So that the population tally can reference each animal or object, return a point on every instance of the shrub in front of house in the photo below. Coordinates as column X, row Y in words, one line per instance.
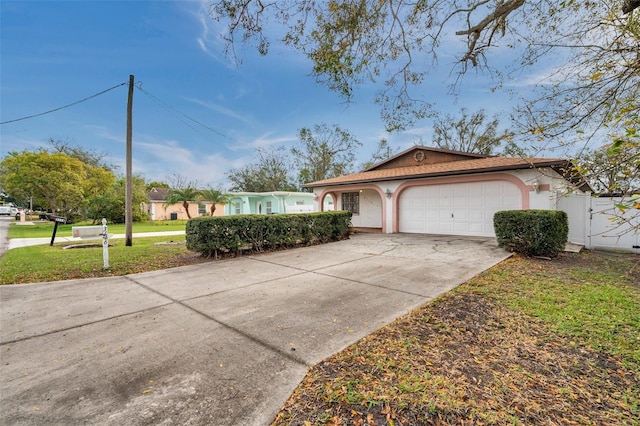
column 213, row 236
column 532, row 232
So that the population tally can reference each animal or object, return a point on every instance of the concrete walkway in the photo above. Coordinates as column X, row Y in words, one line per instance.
column 24, row 242
column 220, row 343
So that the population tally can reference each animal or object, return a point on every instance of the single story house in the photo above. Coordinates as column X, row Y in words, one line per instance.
column 439, row 191
column 157, row 209
column 269, row 202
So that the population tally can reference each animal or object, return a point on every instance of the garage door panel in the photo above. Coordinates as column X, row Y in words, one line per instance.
column 431, row 214
column 460, row 215
column 457, row 209
column 444, row 202
column 474, row 202
column 460, row 202
column 476, row 215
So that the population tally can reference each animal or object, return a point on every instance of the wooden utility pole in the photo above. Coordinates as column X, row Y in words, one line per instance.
column 128, row 214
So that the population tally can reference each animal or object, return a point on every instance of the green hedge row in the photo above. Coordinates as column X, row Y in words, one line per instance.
column 212, row 236
column 532, row 232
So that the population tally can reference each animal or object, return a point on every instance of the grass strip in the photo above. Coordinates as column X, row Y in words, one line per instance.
column 44, row 263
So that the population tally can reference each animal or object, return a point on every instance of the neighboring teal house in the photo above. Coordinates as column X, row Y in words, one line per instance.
column 269, row 202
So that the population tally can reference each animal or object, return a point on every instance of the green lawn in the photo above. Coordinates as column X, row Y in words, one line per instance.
column 45, row 229
column 44, row 263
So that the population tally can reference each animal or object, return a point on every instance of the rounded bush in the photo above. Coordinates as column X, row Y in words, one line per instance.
column 532, row 232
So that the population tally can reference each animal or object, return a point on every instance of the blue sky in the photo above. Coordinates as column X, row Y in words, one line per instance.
column 54, row 53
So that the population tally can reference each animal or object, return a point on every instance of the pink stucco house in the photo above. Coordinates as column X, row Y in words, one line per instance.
column 438, row 191
column 158, row 211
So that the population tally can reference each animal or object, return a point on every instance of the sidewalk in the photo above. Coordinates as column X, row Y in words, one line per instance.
column 24, row 242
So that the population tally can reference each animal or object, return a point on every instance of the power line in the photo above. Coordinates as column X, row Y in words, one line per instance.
column 63, row 107
column 177, row 113
column 172, row 110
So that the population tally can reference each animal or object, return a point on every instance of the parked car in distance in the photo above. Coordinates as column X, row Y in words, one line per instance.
column 17, row 211
column 5, row 210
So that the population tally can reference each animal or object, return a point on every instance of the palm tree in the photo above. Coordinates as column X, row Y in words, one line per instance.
column 182, row 195
column 214, row 196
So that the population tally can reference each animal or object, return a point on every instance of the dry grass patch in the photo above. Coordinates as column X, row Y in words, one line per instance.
column 527, row 342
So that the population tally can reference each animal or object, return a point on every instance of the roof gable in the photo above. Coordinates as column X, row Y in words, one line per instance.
column 451, row 168
column 157, row 194
column 422, row 155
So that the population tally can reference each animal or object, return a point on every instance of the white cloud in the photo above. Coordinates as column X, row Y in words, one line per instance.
column 266, row 140
column 209, row 39
column 417, row 131
column 540, row 75
column 220, row 109
column 159, row 159
column 12, row 143
column 104, row 133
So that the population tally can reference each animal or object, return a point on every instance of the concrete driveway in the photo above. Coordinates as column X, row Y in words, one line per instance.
column 222, row 343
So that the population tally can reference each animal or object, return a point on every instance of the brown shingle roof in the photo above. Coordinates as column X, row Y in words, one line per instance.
column 452, row 168
column 157, row 194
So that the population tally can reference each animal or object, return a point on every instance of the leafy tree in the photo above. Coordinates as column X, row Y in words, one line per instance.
column 399, row 42
column 155, row 184
column 597, row 87
column 56, row 181
column 468, row 132
column 269, row 173
column 611, row 169
column 183, row 195
column 90, row 157
column 214, row 196
column 181, row 182
column 382, row 152
column 324, row 152
column 110, row 204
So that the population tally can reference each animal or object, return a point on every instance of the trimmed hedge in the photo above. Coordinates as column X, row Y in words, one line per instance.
column 532, row 232
column 212, row 236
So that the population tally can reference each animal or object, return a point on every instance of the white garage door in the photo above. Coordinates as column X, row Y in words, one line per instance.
column 456, row 209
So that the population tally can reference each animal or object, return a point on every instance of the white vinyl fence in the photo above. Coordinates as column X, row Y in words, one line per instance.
column 597, row 224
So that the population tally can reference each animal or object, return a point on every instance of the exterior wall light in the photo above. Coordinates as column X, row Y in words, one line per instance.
column 388, row 193
column 536, row 186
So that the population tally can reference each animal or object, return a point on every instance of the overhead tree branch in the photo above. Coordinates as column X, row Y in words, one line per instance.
column 629, row 5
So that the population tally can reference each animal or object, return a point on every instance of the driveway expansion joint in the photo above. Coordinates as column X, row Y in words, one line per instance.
column 411, row 293
column 79, row 326
column 228, row 290
column 252, row 338
column 367, row 256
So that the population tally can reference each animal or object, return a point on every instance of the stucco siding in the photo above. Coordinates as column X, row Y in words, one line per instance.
column 370, row 215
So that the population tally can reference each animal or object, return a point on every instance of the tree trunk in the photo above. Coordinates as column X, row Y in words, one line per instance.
column 629, row 5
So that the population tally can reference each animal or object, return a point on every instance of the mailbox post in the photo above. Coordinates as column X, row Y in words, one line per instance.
column 57, row 220
column 105, row 244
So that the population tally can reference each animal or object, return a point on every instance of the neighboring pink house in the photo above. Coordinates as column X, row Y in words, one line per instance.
column 157, row 210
